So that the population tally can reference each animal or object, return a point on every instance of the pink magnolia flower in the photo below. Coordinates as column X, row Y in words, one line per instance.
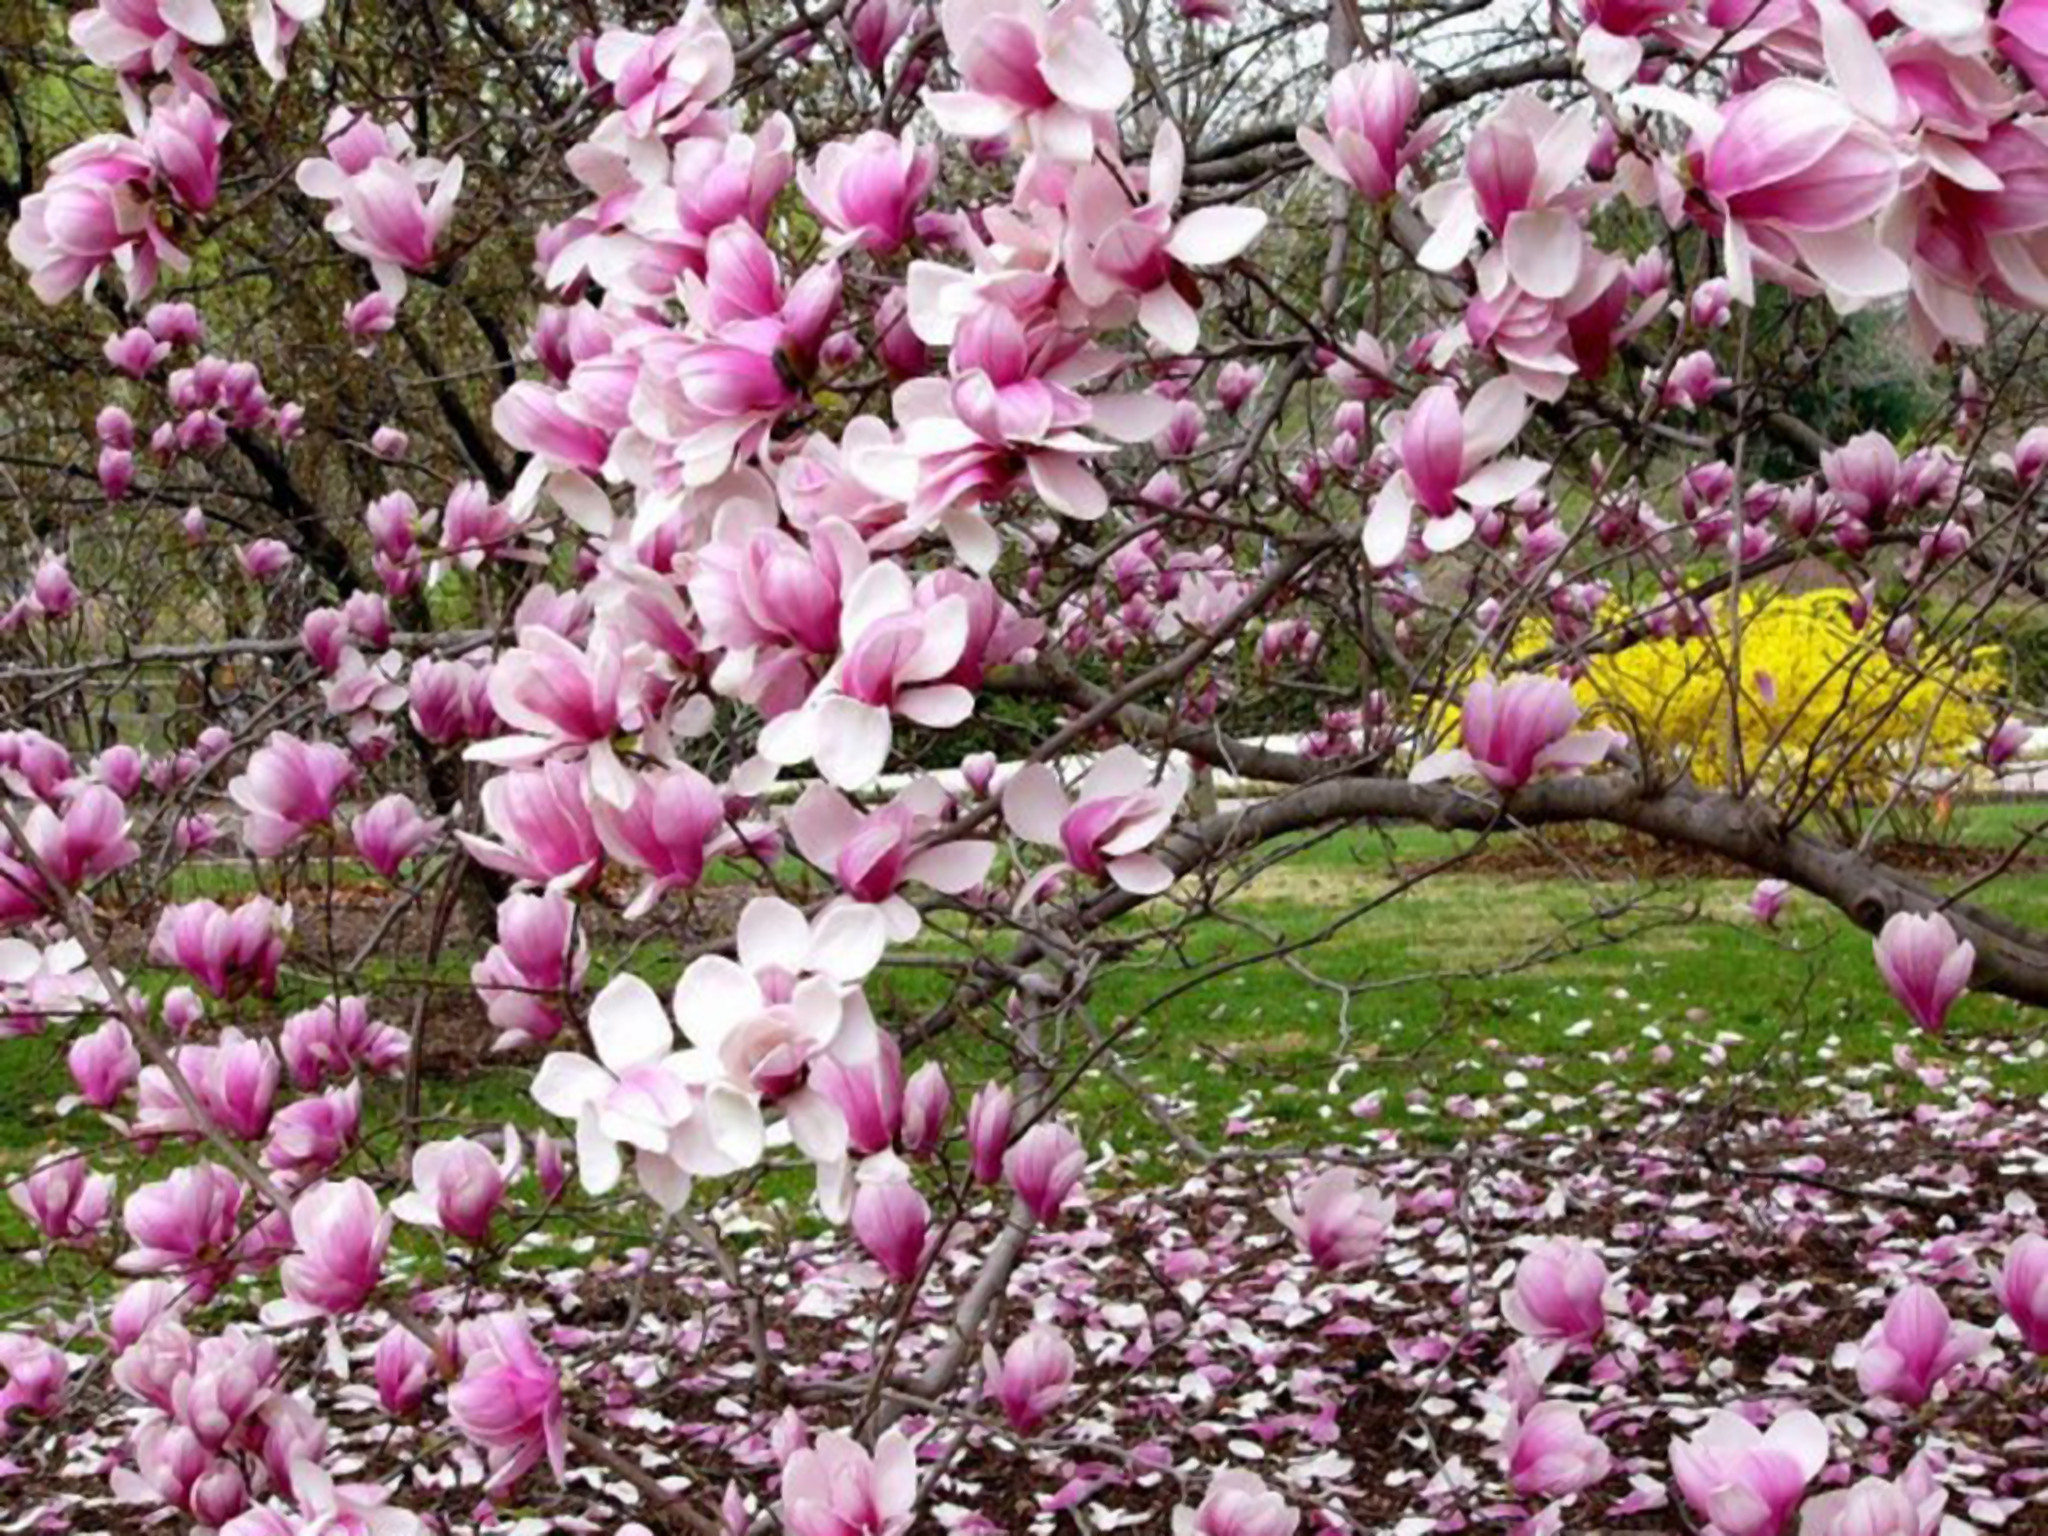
column 65, row 1200
column 2022, row 1287
column 1031, row 1377
column 874, row 27
column 863, row 1082
column 664, row 83
column 1745, row 1482
column 451, row 700
column 1044, row 1167
column 1366, row 142
column 1450, row 468
column 52, row 590
column 1515, row 731
column 182, row 139
column 273, row 26
column 261, row 559
column 833, row 1487
column 392, row 831
column 548, row 1169
column 341, row 1235
column 309, row 1136
column 873, row 854
column 1795, row 176
column 458, row 1186
column 1522, row 185
column 1906, row 1356
column 1911, row 1505
column 338, row 1038
column 1238, row 1503
column 87, row 839
column 988, row 1130
column 138, row 1308
column 182, row 1223
column 235, row 1080
column 640, row 1092
column 927, row 1100
column 893, row 1223
column 509, row 1400
column 138, row 37
column 374, row 185
column 1548, row 1453
column 1560, row 1292
column 1047, row 76
column 1115, row 247
column 1337, row 1223
column 1120, row 810
column 1767, row 901
column 867, row 190
column 1694, row 380
column 289, row 787
column 1926, row 966
column 104, row 1064
column 136, row 353
column 225, row 952
column 541, row 819
column 565, row 700
column 670, row 825
column 539, row 959
column 32, row 1378
column 403, row 1369
column 369, row 317
column 2006, row 742
column 95, row 208
column 894, row 659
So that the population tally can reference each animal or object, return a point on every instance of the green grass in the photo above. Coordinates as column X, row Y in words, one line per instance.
column 1528, row 997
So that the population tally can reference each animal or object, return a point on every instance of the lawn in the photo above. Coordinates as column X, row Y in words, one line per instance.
column 1513, row 997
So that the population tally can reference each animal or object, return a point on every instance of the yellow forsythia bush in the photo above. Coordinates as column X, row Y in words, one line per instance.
column 1817, row 693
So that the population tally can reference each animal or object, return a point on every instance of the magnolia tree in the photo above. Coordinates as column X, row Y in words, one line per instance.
column 644, row 526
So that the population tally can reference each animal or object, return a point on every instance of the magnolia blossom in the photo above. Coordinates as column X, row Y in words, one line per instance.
column 562, row 699
column 670, row 824
column 1767, row 901
column 1366, row 141
column 32, row 1377
column 95, row 209
column 341, row 1234
column 1450, row 469
column 179, row 1223
column 392, row 831
column 1910, row 1505
column 2021, row 1284
column 1743, row 1481
column 1119, row 810
column 1513, row 732
column 1548, row 1452
column 873, row 854
column 1048, row 76
column 65, row 1200
column 458, row 1186
column 867, row 189
column 895, row 658
column 1906, row 1356
column 893, row 1222
column 644, row 1093
column 338, row 1038
column 104, row 1064
column 1337, row 1223
column 1238, row 1503
column 835, row 1488
column 1560, row 1292
column 289, row 787
column 226, row 952
column 509, row 1400
column 1044, row 1167
column 1926, row 966
column 1030, row 1378
column 540, row 958
column 1114, row 247
column 542, row 822
column 374, row 185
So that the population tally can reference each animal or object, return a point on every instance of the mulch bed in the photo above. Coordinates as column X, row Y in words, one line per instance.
column 1750, row 1258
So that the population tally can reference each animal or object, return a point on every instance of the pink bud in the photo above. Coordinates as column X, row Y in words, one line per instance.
column 1926, row 966
column 1031, row 1377
column 2022, row 1287
column 548, row 1167
column 1045, row 1167
column 390, row 832
column 104, row 1064
column 404, row 1370
column 893, row 1223
column 926, row 1101
column 988, row 1130
column 1768, row 900
column 1559, row 1292
column 389, row 442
